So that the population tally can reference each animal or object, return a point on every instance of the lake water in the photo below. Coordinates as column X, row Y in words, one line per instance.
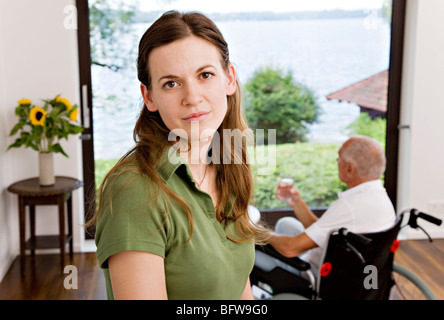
column 324, row 54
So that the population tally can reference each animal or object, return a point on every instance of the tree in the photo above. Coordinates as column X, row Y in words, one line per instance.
column 111, row 23
column 114, row 44
column 366, row 126
column 386, row 10
column 273, row 100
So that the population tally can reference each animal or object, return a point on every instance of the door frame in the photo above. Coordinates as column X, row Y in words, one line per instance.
column 86, row 108
column 394, row 98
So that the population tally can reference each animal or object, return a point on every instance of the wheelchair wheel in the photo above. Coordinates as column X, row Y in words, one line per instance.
column 408, row 286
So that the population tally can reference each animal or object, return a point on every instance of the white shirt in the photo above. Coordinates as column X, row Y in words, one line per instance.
column 365, row 208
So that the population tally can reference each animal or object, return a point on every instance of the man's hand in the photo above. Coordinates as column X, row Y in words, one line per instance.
column 288, row 194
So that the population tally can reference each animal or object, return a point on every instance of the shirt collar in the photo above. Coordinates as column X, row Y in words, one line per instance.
column 170, row 162
column 369, row 185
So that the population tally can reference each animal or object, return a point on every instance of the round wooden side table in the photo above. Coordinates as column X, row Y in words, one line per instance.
column 31, row 194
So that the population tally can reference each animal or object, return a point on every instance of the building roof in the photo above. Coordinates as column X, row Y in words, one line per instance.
column 369, row 93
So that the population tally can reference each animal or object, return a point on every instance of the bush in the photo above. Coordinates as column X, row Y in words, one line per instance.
column 274, row 101
column 364, row 125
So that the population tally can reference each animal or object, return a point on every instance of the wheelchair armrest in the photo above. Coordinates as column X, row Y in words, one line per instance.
column 294, row 262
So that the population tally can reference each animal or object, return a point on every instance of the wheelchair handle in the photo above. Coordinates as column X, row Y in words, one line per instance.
column 429, row 218
column 415, row 214
column 413, row 218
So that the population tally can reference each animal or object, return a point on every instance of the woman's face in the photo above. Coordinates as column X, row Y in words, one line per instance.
column 189, row 87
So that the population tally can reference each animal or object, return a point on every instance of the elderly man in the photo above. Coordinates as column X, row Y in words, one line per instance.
column 363, row 208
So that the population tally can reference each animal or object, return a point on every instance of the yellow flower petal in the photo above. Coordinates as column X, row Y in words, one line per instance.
column 73, row 115
column 65, row 102
column 37, row 116
column 24, row 101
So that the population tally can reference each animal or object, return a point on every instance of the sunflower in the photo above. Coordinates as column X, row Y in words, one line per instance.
column 65, row 102
column 37, row 116
column 24, row 101
column 73, row 115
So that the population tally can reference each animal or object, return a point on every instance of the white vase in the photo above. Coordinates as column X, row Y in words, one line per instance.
column 46, row 169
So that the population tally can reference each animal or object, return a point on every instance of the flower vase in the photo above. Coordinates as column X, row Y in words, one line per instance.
column 46, row 169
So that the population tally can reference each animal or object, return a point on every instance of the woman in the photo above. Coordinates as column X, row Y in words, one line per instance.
column 172, row 220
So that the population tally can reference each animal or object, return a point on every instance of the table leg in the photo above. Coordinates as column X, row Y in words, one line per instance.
column 22, row 220
column 61, row 205
column 32, row 225
column 69, row 203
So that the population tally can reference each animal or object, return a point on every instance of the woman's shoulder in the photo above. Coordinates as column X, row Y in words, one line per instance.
column 127, row 190
column 127, row 175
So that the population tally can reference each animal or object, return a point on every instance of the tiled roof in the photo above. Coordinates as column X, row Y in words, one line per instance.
column 369, row 93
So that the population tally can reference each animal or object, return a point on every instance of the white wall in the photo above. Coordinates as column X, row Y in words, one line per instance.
column 421, row 168
column 38, row 60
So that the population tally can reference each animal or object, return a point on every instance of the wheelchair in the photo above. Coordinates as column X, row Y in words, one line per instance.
column 353, row 267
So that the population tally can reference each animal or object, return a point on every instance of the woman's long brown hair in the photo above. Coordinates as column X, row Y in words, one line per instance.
column 234, row 182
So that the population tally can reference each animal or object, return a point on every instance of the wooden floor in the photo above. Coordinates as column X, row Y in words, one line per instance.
column 44, row 279
column 426, row 260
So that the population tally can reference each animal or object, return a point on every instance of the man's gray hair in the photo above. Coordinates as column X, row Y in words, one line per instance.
column 367, row 155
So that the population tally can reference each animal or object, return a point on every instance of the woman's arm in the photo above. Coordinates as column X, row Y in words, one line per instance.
column 137, row 275
column 248, row 293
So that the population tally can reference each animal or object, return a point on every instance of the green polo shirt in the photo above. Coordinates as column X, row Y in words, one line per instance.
column 208, row 266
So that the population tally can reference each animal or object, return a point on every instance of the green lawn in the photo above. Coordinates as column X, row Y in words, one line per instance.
column 313, row 167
